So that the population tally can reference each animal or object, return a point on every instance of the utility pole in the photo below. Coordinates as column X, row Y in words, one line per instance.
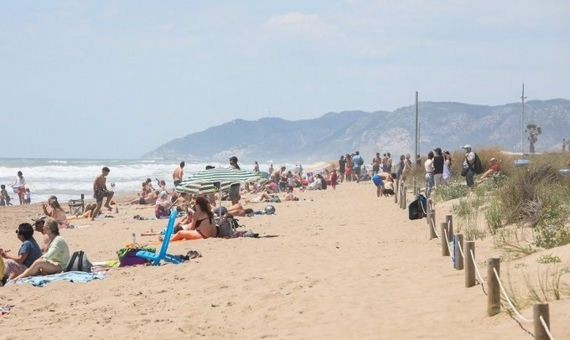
column 415, row 158
column 522, row 121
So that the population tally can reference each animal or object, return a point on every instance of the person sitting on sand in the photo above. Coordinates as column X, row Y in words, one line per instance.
column 388, row 187
column 4, row 197
column 100, row 192
column 29, row 252
column 162, row 206
column 494, row 169
column 55, row 211
column 202, row 226
column 56, row 257
column 236, row 209
column 150, row 198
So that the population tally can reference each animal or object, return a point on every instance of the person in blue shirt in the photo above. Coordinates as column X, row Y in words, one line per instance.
column 358, row 162
column 29, row 252
column 379, row 183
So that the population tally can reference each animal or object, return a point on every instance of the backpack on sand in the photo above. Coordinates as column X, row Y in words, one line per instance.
column 227, row 228
column 79, row 263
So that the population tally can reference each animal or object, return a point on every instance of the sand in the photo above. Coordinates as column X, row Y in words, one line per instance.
column 340, row 265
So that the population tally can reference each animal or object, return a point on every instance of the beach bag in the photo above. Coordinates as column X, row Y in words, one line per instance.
column 417, row 209
column 128, row 255
column 79, row 263
column 227, row 228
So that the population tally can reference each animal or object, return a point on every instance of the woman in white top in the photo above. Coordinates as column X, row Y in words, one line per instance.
column 20, row 187
column 446, row 167
column 429, row 173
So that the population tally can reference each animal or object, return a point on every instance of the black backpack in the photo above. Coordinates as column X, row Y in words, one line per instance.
column 477, row 166
column 79, row 263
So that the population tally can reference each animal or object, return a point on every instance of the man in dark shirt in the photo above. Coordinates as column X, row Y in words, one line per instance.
column 341, row 167
column 438, row 167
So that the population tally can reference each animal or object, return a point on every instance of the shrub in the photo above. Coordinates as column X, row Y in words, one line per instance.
column 452, row 191
column 493, row 216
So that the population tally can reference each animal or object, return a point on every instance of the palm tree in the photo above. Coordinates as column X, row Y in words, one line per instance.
column 533, row 131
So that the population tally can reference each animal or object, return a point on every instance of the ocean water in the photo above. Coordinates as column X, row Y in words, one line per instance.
column 69, row 178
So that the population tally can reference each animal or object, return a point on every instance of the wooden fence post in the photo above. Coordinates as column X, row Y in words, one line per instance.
column 431, row 225
column 457, row 256
column 396, row 190
column 449, row 221
column 444, row 240
column 493, row 291
column 541, row 309
column 469, row 246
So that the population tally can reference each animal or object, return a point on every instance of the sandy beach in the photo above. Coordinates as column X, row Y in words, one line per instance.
column 336, row 265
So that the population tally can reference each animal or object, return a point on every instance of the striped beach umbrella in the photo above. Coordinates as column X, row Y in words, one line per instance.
column 204, row 182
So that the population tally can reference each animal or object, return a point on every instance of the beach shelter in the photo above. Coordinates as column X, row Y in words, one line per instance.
column 214, row 180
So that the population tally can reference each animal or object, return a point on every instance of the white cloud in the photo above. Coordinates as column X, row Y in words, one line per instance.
column 300, row 25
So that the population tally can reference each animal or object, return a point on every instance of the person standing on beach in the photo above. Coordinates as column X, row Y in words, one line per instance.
column 341, row 167
column 100, row 192
column 429, row 177
column 358, row 162
column 469, row 165
column 20, row 187
column 178, row 174
column 376, row 164
column 256, row 167
column 438, row 167
column 563, row 144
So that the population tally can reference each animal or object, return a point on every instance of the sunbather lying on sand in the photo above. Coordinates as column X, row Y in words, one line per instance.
column 202, row 226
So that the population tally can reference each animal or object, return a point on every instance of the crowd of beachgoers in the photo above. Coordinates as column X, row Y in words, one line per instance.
column 201, row 215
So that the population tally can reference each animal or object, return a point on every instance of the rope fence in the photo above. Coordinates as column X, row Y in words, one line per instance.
column 541, row 314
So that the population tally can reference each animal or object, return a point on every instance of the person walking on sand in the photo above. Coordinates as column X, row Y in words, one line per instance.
column 333, row 179
column 20, row 187
column 178, row 174
column 100, row 192
column 341, row 167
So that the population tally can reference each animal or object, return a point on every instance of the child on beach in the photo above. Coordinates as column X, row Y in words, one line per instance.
column 27, row 196
column 290, row 181
column 4, row 197
column 333, row 179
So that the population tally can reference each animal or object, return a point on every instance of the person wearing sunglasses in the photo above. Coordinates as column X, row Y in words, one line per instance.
column 29, row 252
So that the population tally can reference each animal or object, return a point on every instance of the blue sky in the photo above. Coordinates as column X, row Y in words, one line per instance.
column 115, row 79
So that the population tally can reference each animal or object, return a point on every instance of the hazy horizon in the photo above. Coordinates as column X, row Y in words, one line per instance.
column 114, row 80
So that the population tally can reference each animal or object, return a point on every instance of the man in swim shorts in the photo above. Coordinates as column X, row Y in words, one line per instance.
column 178, row 174
column 100, row 192
column 379, row 183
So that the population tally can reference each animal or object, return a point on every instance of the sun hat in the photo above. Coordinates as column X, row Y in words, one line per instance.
column 467, row 146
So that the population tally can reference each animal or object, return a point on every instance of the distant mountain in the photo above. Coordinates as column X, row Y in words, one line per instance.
column 444, row 124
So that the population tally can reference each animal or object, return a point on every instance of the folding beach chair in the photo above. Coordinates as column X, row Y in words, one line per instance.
column 155, row 258
column 77, row 207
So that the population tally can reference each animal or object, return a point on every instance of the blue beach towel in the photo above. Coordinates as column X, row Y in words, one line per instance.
column 75, row 277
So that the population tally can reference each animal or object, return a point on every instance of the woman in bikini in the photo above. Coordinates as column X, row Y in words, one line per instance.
column 56, row 212
column 202, row 226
